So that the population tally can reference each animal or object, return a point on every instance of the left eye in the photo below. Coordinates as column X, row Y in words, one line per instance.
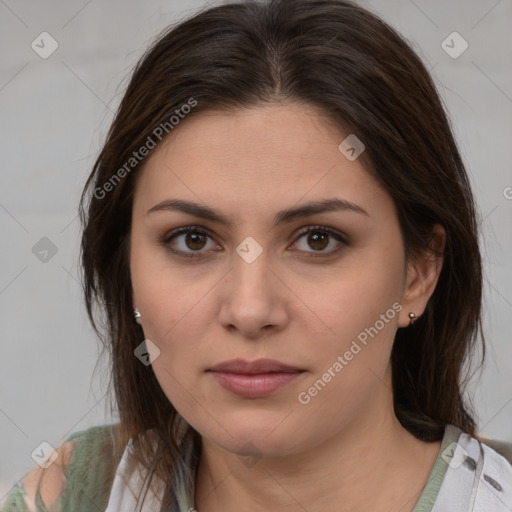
column 319, row 238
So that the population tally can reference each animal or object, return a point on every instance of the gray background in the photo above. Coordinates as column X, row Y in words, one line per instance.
column 55, row 113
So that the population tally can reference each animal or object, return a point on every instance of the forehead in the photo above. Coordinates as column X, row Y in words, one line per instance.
column 255, row 159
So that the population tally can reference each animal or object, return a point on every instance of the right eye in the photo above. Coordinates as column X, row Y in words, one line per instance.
column 188, row 242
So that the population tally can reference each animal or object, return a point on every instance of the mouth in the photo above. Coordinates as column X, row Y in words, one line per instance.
column 259, row 366
column 255, row 379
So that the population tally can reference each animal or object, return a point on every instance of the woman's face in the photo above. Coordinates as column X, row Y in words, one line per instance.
column 249, row 283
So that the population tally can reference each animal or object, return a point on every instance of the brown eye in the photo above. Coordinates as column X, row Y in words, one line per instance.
column 189, row 242
column 195, row 241
column 318, row 241
column 319, row 238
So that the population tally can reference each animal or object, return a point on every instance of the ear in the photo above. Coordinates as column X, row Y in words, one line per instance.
column 422, row 276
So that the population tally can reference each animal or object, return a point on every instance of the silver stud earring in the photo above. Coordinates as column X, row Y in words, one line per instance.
column 136, row 313
column 413, row 318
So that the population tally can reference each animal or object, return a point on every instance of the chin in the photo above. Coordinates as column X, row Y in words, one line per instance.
column 250, row 435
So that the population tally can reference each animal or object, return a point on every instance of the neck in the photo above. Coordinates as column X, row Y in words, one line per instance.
column 372, row 463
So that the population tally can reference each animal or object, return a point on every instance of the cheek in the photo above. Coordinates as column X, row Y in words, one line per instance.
column 164, row 294
column 172, row 315
column 162, row 303
column 175, row 310
column 172, row 320
column 361, row 309
column 367, row 287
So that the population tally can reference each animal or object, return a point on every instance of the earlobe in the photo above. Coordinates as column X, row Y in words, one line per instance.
column 136, row 312
column 422, row 275
column 413, row 317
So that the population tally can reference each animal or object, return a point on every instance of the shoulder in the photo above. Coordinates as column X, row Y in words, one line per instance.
column 92, row 468
column 79, row 479
column 503, row 448
column 496, row 476
column 494, row 486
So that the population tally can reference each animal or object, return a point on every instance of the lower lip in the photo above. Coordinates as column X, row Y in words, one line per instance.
column 256, row 385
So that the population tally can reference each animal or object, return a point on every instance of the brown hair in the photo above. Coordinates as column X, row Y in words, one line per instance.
column 349, row 64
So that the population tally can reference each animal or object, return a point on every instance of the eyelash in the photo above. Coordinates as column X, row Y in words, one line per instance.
column 339, row 237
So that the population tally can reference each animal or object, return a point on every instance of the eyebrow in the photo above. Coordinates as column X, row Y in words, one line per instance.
column 282, row 217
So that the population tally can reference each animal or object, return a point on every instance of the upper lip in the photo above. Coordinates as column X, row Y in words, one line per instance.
column 254, row 367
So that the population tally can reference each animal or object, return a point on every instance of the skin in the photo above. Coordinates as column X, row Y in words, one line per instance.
column 345, row 446
column 51, row 480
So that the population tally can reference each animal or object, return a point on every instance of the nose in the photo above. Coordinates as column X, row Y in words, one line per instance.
column 253, row 299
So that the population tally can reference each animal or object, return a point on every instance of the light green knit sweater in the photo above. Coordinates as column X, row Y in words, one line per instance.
column 89, row 475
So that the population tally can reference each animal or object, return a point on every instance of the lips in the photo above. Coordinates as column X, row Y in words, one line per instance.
column 255, row 379
column 255, row 367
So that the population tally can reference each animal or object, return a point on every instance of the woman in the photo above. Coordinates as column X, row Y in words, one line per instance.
column 281, row 239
